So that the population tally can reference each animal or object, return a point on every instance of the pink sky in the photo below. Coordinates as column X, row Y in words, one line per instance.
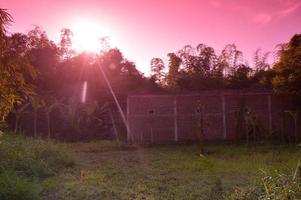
column 144, row 29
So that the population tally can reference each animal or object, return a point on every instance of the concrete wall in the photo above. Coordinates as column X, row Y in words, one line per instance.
column 172, row 118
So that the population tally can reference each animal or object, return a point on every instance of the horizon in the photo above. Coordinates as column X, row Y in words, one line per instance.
column 164, row 28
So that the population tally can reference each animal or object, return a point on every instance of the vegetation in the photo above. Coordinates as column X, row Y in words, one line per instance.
column 25, row 162
column 15, row 67
column 40, row 88
column 41, row 82
column 288, row 68
column 34, row 169
column 177, row 172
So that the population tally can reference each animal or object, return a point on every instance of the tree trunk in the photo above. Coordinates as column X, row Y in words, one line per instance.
column 296, row 127
column 16, row 123
column 35, row 123
column 282, row 127
column 48, row 125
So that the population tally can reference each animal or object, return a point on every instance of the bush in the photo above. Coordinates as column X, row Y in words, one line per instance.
column 14, row 187
column 33, row 157
column 274, row 185
column 104, row 146
column 25, row 162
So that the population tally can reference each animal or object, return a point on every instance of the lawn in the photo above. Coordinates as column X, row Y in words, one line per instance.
column 106, row 170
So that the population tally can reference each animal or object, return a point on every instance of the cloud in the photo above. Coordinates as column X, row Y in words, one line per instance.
column 286, row 8
column 263, row 18
column 290, row 9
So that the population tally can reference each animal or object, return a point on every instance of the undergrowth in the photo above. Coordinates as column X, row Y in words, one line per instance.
column 24, row 162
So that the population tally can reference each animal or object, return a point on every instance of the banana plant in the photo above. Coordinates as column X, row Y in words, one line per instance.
column 18, row 112
column 251, row 125
column 49, row 107
column 93, row 111
column 200, row 124
column 70, row 111
column 36, row 103
column 295, row 116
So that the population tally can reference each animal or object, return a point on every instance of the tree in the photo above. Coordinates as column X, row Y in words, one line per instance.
column 157, row 66
column 240, row 77
column 66, row 43
column 5, row 20
column 44, row 56
column 207, row 60
column 49, row 106
column 173, row 71
column 36, row 103
column 15, row 68
column 230, row 58
column 260, row 61
column 288, row 69
column 18, row 113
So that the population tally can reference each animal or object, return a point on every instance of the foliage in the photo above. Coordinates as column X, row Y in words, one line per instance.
column 200, row 68
column 33, row 157
column 13, row 186
column 288, row 68
column 275, row 185
column 167, row 172
column 25, row 162
column 14, row 67
column 157, row 67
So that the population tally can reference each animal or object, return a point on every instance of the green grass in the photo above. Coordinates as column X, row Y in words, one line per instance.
column 107, row 170
column 43, row 169
column 26, row 162
column 13, row 186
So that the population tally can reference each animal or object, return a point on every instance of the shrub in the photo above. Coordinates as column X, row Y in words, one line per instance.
column 25, row 161
column 33, row 157
column 274, row 185
column 14, row 187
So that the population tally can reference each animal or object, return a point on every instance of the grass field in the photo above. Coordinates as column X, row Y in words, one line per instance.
column 105, row 170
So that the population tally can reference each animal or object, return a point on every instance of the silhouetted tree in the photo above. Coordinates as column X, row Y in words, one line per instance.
column 288, row 69
column 65, row 44
column 14, row 67
column 173, row 71
column 157, row 67
column 230, row 58
column 260, row 61
column 241, row 77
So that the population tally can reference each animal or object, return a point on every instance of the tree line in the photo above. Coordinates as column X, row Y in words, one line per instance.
column 41, row 82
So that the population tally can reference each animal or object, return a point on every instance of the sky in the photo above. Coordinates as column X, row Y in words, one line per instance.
column 143, row 29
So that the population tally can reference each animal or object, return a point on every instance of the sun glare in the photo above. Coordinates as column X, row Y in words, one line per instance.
column 86, row 36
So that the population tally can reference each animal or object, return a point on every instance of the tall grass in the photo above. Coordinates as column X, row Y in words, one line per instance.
column 272, row 184
column 25, row 161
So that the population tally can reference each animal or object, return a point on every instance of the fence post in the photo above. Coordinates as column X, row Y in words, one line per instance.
column 270, row 112
column 128, row 119
column 175, row 119
column 224, row 117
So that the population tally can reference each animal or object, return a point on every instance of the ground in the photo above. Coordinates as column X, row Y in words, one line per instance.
column 107, row 171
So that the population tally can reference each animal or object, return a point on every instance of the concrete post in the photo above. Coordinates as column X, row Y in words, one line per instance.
column 175, row 119
column 224, row 117
column 128, row 134
column 270, row 112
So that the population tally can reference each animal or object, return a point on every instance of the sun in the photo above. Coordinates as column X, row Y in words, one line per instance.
column 87, row 36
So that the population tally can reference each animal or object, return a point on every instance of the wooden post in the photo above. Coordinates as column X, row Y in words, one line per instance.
column 224, row 117
column 175, row 119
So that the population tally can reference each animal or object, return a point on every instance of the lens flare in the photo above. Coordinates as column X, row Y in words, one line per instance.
column 84, row 92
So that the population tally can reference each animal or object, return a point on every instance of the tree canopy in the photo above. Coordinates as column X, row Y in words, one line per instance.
column 36, row 71
column 288, row 68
